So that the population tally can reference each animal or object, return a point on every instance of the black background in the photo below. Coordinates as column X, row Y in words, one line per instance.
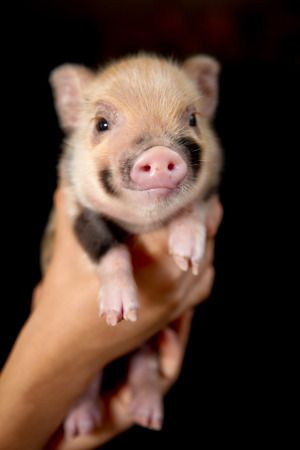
column 224, row 393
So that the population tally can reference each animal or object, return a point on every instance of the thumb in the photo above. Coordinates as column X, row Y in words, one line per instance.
column 214, row 217
column 64, row 238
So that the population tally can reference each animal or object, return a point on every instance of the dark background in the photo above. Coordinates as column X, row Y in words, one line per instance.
column 224, row 393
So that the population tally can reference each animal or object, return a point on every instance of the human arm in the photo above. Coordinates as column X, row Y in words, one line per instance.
column 64, row 343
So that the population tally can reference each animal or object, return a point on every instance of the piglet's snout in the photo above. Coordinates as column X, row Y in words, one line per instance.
column 158, row 167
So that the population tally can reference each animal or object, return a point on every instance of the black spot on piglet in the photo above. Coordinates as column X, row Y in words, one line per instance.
column 106, row 179
column 97, row 234
column 193, row 152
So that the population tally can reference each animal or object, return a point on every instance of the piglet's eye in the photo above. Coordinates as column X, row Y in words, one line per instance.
column 102, row 125
column 192, row 120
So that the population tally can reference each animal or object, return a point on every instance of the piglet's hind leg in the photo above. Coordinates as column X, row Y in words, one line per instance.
column 85, row 415
column 146, row 405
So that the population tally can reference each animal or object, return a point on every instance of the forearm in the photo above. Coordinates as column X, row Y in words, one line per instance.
column 30, row 409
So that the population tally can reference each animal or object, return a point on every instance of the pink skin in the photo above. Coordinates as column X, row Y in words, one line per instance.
column 118, row 297
column 158, row 168
column 187, row 237
column 118, row 300
column 154, row 175
column 85, row 415
column 146, row 406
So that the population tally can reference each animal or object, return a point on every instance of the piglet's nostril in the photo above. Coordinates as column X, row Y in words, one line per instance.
column 158, row 167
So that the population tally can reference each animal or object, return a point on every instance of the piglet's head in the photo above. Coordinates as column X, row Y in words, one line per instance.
column 140, row 145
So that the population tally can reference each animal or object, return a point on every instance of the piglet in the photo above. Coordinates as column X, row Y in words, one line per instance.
column 140, row 153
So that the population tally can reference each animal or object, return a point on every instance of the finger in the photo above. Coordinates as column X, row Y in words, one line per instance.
column 172, row 345
column 169, row 353
column 64, row 240
column 188, row 279
column 201, row 289
column 214, row 217
column 62, row 219
column 195, row 290
column 208, row 257
column 182, row 326
column 60, row 203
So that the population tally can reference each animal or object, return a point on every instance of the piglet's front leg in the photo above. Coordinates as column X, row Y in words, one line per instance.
column 187, row 237
column 103, row 241
column 118, row 297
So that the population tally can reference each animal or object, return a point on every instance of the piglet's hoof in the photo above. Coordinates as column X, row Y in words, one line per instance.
column 118, row 300
column 82, row 419
column 147, row 408
column 187, row 245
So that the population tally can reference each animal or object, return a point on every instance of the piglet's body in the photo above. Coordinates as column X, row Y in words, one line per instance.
column 140, row 154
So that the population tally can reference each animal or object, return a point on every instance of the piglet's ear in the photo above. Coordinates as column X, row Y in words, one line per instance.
column 204, row 70
column 68, row 83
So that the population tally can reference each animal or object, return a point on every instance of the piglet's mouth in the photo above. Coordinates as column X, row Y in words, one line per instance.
column 147, row 197
column 155, row 192
column 158, row 189
column 158, row 193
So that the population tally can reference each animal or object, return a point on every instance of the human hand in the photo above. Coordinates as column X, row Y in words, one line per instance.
column 64, row 343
